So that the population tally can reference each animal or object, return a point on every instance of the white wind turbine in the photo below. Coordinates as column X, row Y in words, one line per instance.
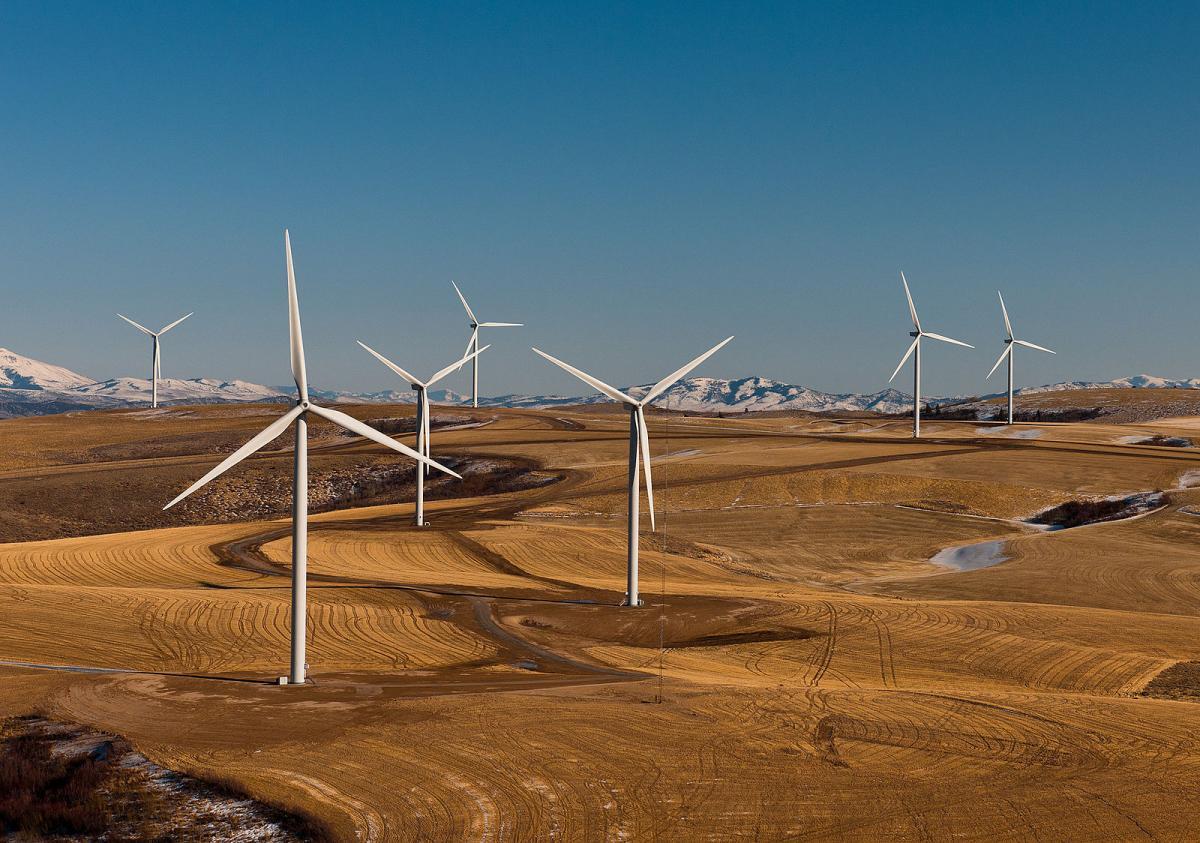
column 299, row 415
column 422, row 389
column 156, row 365
column 917, row 334
column 473, row 342
column 639, row 448
column 1009, row 342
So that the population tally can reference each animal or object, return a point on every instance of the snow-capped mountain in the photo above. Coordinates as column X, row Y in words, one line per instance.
column 20, row 372
column 387, row 396
column 175, row 390
column 754, row 394
column 693, row 394
column 701, row 395
column 31, row 387
column 1133, row 382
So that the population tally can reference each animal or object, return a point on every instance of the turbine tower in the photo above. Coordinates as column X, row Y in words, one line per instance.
column 473, row 342
column 422, row 389
column 917, row 333
column 1009, row 342
column 156, row 364
column 639, row 449
column 299, row 415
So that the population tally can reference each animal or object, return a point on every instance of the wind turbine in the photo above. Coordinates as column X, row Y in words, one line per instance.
column 639, row 448
column 299, row 415
column 917, row 334
column 422, row 389
column 473, row 342
column 156, row 366
column 1008, row 352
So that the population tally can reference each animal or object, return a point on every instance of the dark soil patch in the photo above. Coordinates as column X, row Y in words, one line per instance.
column 682, row 622
column 1075, row 513
column 1167, row 441
column 751, row 637
column 1180, row 681
column 120, row 500
column 1078, row 513
column 365, row 482
column 66, row 782
column 408, row 424
column 970, row 411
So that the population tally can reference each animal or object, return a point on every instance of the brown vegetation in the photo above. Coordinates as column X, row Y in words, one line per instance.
column 59, row 781
column 476, row 679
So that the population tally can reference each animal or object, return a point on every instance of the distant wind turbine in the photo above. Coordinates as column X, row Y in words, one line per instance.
column 1009, row 342
column 917, row 334
column 299, row 415
column 156, row 365
column 473, row 342
column 639, row 448
column 422, row 389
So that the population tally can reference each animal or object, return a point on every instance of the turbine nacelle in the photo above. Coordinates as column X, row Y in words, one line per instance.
column 303, row 405
column 423, row 428
column 298, row 415
column 637, row 406
column 473, row 341
column 156, row 361
column 1009, row 342
column 918, row 333
column 639, row 446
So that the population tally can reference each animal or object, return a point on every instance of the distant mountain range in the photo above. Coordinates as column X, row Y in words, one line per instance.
column 31, row 387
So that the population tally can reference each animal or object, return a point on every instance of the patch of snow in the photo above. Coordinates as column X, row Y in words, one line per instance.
column 971, row 557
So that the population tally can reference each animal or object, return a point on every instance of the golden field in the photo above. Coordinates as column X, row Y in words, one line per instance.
column 820, row 678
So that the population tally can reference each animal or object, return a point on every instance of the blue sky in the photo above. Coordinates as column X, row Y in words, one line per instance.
column 633, row 181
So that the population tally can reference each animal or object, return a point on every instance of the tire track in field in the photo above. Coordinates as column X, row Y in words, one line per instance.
column 830, row 643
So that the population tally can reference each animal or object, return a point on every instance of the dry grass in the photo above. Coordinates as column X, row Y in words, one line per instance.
column 474, row 680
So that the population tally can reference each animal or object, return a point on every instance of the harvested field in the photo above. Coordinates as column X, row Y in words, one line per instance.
column 800, row 670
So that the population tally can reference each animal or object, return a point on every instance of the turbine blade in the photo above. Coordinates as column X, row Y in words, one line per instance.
column 904, row 359
column 141, row 328
column 366, row 431
column 157, row 359
column 1000, row 359
column 599, row 385
column 501, row 325
column 644, row 444
column 401, row 372
column 294, row 335
column 421, row 411
column 268, row 434
column 912, row 308
column 933, row 336
column 1004, row 310
column 470, row 345
column 466, row 306
column 425, row 424
column 1034, row 347
column 455, row 366
column 664, row 384
column 173, row 324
